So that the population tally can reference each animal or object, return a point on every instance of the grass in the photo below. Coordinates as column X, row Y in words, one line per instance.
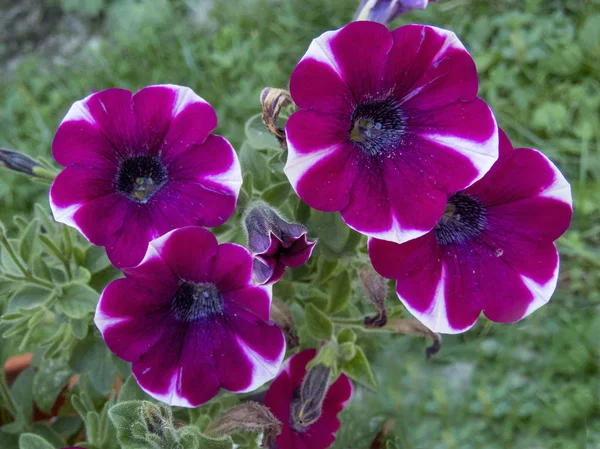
column 534, row 384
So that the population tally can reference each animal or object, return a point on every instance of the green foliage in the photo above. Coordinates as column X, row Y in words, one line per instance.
column 531, row 384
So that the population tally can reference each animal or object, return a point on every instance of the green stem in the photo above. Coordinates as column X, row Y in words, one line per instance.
column 13, row 255
column 356, row 323
column 31, row 279
column 6, row 398
column 59, row 256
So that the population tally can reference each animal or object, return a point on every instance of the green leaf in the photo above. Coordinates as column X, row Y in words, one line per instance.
column 91, row 356
column 51, row 378
column 27, row 242
column 124, row 416
column 319, row 325
column 254, row 162
column 131, row 391
column 302, row 213
column 277, row 194
column 215, row 442
column 333, row 233
column 31, row 441
column 359, row 370
column 80, row 328
column 96, row 259
column 339, row 293
column 346, row 336
column 258, row 136
column 28, row 297
column 77, row 300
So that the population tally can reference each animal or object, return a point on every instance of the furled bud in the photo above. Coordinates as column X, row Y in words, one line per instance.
column 248, row 416
column 376, row 289
column 385, row 11
column 274, row 243
column 307, row 402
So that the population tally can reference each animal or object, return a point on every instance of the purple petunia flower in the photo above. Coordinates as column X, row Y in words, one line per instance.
column 282, row 398
column 492, row 251
column 275, row 243
column 388, row 125
column 191, row 321
column 384, row 11
column 138, row 166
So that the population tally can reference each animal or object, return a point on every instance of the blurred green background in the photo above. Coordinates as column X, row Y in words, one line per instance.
column 530, row 385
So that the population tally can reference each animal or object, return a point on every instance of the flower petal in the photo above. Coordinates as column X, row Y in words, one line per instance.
column 79, row 141
column 359, row 52
column 188, row 252
column 431, row 66
column 323, row 180
column 311, row 131
column 231, row 267
column 316, row 84
column 193, row 120
column 249, row 301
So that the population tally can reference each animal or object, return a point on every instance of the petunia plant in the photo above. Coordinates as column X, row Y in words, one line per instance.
column 177, row 292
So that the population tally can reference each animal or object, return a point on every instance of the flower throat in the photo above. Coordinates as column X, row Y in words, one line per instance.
column 140, row 177
column 464, row 219
column 376, row 127
column 196, row 301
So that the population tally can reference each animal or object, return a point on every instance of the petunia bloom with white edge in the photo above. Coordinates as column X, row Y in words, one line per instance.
column 389, row 124
column 190, row 320
column 139, row 166
column 492, row 251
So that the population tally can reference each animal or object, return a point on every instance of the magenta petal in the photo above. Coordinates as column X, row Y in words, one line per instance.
column 77, row 141
column 415, row 265
column 249, row 301
column 94, row 223
column 153, row 108
column 324, row 180
column 430, row 65
column 127, row 246
column 184, row 203
column 360, row 50
column 112, row 111
column 188, row 252
column 267, row 270
column 315, row 84
column 231, row 267
column 310, row 131
column 193, row 120
column 212, row 159
column 77, row 184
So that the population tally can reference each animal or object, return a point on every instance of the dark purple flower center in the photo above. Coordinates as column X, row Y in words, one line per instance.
column 140, row 177
column 196, row 301
column 377, row 127
column 464, row 219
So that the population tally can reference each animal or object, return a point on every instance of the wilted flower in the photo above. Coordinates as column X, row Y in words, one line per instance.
column 191, row 321
column 492, row 251
column 384, row 11
column 275, row 243
column 306, row 404
column 388, row 126
column 139, row 166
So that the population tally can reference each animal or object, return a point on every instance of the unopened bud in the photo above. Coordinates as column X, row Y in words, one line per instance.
column 376, row 290
column 248, row 416
column 307, row 402
column 158, row 420
column 18, row 162
column 415, row 327
column 274, row 243
column 273, row 100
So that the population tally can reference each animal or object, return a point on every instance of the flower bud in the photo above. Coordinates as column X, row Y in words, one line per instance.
column 308, row 399
column 274, row 243
column 273, row 100
column 18, row 162
column 385, row 11
column 248, row 416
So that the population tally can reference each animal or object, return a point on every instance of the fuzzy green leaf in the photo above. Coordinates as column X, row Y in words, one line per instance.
column 32, row 441
column 319, row 325
column 77, row 300
column 333, row 233
column 28, row 240
column 359, row 369
column 277, row 194
column 258, row 136
column 52, row 376
column 339, row 293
